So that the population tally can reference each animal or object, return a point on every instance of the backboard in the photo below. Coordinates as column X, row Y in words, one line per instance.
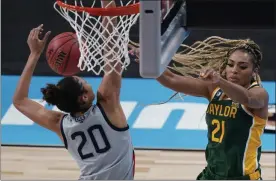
column 162, row 31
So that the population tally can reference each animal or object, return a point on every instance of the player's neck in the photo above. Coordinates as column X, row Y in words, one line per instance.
column 77, row 114
column 80, row 113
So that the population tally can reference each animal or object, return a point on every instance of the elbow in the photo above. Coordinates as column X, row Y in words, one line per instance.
column 17, row 102
column 255, row 103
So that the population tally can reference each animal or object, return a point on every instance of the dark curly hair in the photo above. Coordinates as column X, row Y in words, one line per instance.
column 64, row 95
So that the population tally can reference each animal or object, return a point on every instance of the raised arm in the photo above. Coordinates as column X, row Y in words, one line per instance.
column 109, row 91
column 31, row 109
column 111, row 84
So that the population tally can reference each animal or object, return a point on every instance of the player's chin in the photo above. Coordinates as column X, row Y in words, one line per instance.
column 238, row 82
column 233, row 80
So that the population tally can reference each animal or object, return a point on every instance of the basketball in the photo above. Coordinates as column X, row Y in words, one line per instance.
column 63, row 54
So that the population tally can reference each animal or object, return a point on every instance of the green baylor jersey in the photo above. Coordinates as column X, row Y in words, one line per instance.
column 234, row 137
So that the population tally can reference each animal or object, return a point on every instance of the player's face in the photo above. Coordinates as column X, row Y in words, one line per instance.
column 240, row 68
column 88, row 96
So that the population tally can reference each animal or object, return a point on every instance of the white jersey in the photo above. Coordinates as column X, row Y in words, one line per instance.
column 101, row 150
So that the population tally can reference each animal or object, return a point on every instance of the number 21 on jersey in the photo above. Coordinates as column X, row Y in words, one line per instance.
column 219, row 128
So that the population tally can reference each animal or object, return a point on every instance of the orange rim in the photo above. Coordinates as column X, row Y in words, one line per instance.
column 112, row 11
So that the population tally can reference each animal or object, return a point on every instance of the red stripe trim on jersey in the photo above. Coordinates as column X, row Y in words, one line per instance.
column 133, row 163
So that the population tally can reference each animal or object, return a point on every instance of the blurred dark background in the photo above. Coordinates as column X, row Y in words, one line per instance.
column 19, row 17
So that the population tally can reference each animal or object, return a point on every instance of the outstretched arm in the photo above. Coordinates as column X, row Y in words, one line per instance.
column 187, row 85
column 31, row 109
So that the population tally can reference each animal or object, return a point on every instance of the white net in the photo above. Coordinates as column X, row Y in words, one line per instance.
column 102, row 44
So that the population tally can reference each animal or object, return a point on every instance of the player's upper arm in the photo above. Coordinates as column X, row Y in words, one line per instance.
column 37, row 113
column 257, row 98
column 111, row 85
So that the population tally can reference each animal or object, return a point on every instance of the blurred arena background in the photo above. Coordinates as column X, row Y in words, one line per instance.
column 170, row 138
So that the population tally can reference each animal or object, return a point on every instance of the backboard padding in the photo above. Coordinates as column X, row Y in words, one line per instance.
column 156, row 49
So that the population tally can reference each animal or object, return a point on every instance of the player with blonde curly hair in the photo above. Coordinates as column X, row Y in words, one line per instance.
column 226, row 72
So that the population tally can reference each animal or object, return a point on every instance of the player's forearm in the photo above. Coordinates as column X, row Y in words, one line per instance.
column 238, row 93
column 174, row 82
column 23, row 85
column 109, row 23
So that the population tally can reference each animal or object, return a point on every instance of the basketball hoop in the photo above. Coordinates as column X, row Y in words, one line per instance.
column 98, row 50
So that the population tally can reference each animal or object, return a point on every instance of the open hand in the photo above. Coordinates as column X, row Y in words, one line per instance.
column 36, row 44
column 210, row 75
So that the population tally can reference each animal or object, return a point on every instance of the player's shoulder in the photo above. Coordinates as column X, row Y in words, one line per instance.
column 81, row 117
column 258, row 89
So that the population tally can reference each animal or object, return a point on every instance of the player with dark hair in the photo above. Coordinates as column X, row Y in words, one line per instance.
column 238, row 105
column 96, row 135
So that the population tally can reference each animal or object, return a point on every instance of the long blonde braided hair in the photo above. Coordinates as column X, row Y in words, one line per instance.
column 213, row 52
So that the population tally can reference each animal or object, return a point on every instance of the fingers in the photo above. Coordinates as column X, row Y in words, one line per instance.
column 206, row 73
column 37, row 31
column 31, row 34
column 134, row 51
column 40, row 26
column 46, row 36
column 130, row 46
column 203, row 73
column 36, row 38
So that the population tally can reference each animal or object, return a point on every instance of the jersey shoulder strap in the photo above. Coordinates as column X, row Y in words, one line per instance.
column 62, row 131
column 254, row 84
column 216, row 94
